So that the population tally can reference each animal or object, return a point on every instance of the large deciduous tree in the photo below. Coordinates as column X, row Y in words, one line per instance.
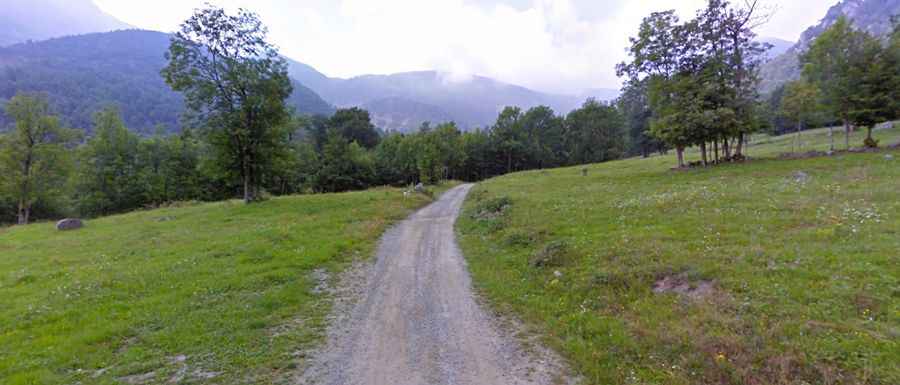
column 34, row 156
column 237, row 83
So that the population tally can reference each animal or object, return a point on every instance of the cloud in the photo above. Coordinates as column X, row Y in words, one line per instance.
column 553, row 45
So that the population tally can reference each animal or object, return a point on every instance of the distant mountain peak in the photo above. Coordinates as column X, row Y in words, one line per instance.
column 23, row 20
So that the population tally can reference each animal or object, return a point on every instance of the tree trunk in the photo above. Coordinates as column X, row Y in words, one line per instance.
column 831, row 137
column 703, row 153
column 847, row 133
column 24, row 212
column 680, row 151
column 739, row 149
column 248, row 192
column 716, row 150
column 727, row 145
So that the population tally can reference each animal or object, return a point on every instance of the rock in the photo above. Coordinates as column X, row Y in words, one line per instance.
column 69, row 224
column 420, row 188
column 557, row 274
column 889, row 157
column 801, row 177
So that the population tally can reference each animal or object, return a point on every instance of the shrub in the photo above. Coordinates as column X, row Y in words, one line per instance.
column 553, row 254
column 492, row 208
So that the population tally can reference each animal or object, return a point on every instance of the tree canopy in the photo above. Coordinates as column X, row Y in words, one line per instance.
column 237, row 83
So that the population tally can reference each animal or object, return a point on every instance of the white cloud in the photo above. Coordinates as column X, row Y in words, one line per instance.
column 554, row 45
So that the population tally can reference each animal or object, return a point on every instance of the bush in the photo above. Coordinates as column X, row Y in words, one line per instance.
column 492, row 208
column 554, row 254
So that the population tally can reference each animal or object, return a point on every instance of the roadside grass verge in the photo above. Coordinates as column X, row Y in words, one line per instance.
column 768, row 272
column 222, row 292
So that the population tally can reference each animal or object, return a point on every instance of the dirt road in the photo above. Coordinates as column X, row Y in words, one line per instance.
column 415, row 319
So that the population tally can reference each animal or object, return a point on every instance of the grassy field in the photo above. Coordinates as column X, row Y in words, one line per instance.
column 773, row 271
column 222, row 293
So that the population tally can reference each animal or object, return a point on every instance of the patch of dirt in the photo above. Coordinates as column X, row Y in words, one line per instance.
column 679, row 284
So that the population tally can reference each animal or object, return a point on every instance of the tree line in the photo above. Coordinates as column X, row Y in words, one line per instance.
column 51, row 171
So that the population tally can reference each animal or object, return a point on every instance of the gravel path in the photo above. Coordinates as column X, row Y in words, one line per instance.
column 411, row 318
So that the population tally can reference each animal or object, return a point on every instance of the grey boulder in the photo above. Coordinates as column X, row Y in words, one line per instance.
column 69, row 224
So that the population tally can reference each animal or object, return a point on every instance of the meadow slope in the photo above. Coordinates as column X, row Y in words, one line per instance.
column 222, row 292
column 774, row 271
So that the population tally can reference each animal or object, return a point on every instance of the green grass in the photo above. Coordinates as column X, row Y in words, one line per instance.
column 181, row 292
column 805, row 271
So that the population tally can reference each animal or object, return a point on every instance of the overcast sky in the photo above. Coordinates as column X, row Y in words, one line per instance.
column 550, row 45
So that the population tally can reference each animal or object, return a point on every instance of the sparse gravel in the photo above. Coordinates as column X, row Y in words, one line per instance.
column 411, row 318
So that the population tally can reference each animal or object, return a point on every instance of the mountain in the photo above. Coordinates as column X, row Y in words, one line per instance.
column 873, row 16
column 82, row 74
column 402, row 101
column 23, row 20
column 779, row 46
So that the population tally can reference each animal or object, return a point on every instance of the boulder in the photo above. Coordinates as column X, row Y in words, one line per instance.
column 420, row 188
column 69, row 224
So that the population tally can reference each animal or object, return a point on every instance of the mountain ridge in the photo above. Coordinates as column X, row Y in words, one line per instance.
column 471, row 102
column 83, row 73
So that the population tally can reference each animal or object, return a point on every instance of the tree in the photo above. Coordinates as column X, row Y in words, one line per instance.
column 875, row 71
column 595, row 133
column 507, row 137
column 238, row 83
column 827, row 65
column 800, row 104
column 345, row 165
column 634, row 104
column 109, row 176
column 355, row 124
column 34, row 156
column 544, row 138
column 657, row 52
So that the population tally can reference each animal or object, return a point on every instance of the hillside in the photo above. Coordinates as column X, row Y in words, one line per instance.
column 221, row 292
column 23, row 20
column 82, row 74
column 770, row 272
column 873, row 16
column 405, row 100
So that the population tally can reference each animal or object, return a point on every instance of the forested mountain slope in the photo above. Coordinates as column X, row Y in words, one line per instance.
column 82, row 74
